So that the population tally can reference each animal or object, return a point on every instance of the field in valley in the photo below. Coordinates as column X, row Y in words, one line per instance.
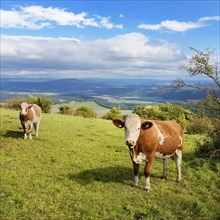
column 80, row 169
column 100, row 110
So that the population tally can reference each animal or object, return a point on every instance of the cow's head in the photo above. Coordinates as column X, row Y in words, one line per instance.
column 133, row 126
column 24, row 107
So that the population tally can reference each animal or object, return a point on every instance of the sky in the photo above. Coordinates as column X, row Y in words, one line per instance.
column 105, row 39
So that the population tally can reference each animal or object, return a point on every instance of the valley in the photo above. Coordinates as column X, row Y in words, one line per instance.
column 106, row 93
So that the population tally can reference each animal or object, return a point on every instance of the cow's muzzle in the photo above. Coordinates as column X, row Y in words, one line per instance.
column 130, row 144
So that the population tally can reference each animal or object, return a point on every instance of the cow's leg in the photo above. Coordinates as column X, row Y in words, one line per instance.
column 25, row 135
column 136, row 174
column 29, row 136
column 178, row 160
column 165, row 163
column 36, row 127
column 147, row 171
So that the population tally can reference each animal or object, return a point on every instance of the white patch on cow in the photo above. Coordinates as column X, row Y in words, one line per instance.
column 178, row 153
column 147, row 183
column 135, row 181
column 24, row 107
column 140, row 158
column 181, row 141
column 132, row 129
column 159, row 135
column 161, row 156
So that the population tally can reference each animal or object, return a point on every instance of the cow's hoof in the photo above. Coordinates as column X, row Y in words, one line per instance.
column 147, row 190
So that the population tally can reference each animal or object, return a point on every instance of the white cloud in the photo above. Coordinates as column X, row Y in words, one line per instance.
column 105, row 23
column 210, row 18
column 150, row 26
column 126, row 55
column 178, row 26
column 38, row 17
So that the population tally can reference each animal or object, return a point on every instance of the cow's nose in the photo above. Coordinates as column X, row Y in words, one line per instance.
column 130, row 143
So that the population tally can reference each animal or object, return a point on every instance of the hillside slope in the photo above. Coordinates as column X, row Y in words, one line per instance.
column 80, row 169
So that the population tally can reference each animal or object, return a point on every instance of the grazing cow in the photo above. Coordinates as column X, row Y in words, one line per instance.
column 30, row 115
column 148, row 139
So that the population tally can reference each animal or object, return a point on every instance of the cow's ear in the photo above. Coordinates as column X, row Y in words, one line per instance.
column 146, row 125
column 30, row 105
column 119, row 123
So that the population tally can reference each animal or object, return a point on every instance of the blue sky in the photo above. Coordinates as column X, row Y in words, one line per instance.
column 73, row 39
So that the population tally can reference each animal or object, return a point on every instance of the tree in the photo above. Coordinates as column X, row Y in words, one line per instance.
column 45, row 103
column 115, row 112
column 200, row 65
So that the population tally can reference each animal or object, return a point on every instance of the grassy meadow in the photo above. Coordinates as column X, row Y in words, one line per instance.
column 80, row 169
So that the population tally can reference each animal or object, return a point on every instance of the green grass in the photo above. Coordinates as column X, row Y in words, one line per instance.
column 80, row 169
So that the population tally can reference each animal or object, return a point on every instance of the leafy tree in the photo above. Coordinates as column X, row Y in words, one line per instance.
column 45, row 103
column 164, row 112
column 115, row 112
column 200, row 65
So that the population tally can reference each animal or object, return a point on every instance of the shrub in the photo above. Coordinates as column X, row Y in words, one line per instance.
column 44, row 102
column 164, row 112
column 200, row 125
column 115, row 112
column 149, row 112
column 14, row 103
column 66, row 110
column 140, row 110
column 211, row 144
column 85, row 112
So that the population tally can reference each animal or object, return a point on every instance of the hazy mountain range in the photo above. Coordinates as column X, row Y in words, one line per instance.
column 89, row 89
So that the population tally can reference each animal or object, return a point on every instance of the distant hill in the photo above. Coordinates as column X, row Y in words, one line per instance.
column 86, row 89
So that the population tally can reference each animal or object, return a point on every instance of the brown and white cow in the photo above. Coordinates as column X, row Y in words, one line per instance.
column 30, row 115
column 148, row 139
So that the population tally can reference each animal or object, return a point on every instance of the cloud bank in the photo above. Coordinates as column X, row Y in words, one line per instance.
column 37, row 17
column 127, row 55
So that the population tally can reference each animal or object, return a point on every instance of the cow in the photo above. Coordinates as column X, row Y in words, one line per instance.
column 30, row 115
column 148, row 139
